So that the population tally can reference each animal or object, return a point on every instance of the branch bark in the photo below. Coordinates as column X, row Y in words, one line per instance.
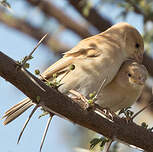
column 53, row 100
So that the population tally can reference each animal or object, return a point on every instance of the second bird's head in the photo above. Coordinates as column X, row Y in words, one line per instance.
column 133, row 74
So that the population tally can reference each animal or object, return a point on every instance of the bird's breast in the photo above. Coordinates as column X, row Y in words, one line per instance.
column 89, row 74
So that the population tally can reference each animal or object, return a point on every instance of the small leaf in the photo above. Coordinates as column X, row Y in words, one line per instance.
column 55, row 75
column 86, row 9
column 104, row 140
column 90, row 101
column 38, row 99
column 72, row 67
column 143, row 124
column 37, row 72
column 26, row 65
column 92, row 95
column 94, row 142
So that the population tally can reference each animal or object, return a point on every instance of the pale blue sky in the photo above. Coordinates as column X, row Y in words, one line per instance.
column 17, row 45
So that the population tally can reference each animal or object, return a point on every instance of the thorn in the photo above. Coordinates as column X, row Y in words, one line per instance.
column 45, row 132
column 107, row 145
column 136, row 114
column 101, row 87
column 26, row 122
column 28, row 57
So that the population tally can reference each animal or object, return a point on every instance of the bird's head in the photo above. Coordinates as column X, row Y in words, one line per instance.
column 137, row 74
column 130, row 41
column 133, row 74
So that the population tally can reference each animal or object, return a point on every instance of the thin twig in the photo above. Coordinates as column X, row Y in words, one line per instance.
column 29, row 56
column 101, row 87
column 45, row 132
column 26, row 122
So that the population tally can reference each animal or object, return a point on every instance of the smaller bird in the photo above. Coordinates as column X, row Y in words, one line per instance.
column 125, row 88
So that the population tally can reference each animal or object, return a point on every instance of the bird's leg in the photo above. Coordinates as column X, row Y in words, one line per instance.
column 106, row 112
column 46, row 130
column 128, row 114
column 93, row 96
column 26, row 122
column 78, row 96
column 109, row 113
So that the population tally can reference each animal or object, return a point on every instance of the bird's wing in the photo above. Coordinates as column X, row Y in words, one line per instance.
column 76, row 53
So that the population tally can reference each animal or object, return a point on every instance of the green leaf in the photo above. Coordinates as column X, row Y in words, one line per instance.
column 26, row 65
column 96, row 141
column 38, row 99
column 72, row 67
column 37, row 72
column 143, row 124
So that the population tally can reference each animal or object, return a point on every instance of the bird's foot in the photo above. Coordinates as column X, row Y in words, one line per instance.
column 110, row 114
column 78, row 96
column 128, row 114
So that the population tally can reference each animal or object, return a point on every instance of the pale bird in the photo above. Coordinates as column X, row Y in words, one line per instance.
column 95, row 59
column 125, row 88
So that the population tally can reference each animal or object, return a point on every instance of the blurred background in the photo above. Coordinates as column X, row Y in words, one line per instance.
column 24, row 22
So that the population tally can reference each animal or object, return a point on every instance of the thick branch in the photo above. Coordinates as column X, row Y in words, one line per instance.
column 148, row 62
column 93, row 17
column 50, row 10
column 31, row 31
column 74, row 111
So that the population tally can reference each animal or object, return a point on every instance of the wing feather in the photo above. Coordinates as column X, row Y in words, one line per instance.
column 70, row 57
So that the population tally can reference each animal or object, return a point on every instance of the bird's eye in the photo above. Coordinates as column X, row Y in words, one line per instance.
column 129, row 75
column 137, row 45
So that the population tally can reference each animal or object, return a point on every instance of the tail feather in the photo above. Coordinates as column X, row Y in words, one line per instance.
column 16, row 107
column 17, row 110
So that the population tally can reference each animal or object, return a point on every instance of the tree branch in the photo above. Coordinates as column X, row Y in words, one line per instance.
column 32, row 31
column 148, row 62
column 50, row 10
column 74, row 111
column 100, row 22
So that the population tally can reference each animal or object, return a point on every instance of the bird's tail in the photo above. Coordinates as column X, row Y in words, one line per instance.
column 17, row 110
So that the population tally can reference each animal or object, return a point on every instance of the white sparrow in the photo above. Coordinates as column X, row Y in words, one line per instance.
column 125, row 88
column 94, row 60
